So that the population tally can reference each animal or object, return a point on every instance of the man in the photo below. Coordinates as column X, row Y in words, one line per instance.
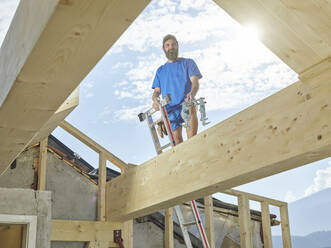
column 178, row 77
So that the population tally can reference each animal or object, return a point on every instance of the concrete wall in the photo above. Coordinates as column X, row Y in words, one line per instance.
column 29, row 202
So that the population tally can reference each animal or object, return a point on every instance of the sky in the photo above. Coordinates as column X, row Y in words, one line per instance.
column 237, row 70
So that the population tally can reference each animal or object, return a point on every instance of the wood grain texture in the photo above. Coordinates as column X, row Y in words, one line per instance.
column 42, row 166
column 286, row 130
column 266, row 225
column 73, row 230
column 102, row 175
column 244, row 222
column 209, row 217
column 169, row 228
column 65, row 109
column 74, row 38
column 285, row 224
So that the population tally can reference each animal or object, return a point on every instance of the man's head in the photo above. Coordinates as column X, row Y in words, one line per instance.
column 170, row 47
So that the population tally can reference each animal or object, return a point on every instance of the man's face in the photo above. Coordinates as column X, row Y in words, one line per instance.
column 170, row 49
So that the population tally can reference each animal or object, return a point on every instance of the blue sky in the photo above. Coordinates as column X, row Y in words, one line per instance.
column 238, row 71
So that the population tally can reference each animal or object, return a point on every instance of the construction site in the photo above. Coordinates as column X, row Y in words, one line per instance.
column 52, row 198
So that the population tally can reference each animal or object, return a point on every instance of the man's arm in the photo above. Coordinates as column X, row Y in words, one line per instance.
column 155, row 98
column 195, row 87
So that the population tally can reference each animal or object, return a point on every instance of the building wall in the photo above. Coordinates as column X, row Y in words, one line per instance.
column 29, row 202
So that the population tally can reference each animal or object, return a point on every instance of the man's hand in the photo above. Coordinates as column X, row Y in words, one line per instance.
column 156, row 99
column 189, row 97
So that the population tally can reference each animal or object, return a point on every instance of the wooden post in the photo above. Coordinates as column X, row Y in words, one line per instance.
column 128, row 234
column 169, row 228
column 102, row 187
column 209, row 220
column 266, row 225
column 244, row 222
column 42, row 164
column 286, row 235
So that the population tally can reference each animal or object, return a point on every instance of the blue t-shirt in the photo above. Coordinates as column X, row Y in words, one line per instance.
column 174, row 78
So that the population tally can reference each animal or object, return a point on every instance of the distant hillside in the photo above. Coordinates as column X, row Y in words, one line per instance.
column 311, row 214
column 313, row 240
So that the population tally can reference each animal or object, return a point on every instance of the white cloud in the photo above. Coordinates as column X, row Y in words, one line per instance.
column 290, row 197
column 322, row 180
column 121, row 65
column 130, row 113
column 89, row 95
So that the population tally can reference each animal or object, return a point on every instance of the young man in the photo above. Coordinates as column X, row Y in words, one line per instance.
column 178, row 77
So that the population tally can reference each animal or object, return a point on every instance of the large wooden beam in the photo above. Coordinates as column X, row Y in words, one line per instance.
column 297, row 31
column 286, row 130
column 51, row 46
column 74, row 230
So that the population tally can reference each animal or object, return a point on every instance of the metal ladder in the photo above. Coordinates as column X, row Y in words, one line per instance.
column 151, row 124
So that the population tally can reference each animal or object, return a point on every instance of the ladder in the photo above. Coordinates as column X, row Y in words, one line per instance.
column 151, row 124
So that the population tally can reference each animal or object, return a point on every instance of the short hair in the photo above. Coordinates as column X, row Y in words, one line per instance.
column 168, row 37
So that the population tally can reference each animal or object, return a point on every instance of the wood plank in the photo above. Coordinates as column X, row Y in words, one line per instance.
column 209, row 217
column 169, row 228
column 42, row 165
column 64, row 110
column 74, row 230
column 128, row 234
column 254, row 197
column 94, row 145
column 76, row 36
column 102, row 187
column 274, row 29
column 286, row 130
column 23, row 34
column 244, row 222
column 285, row 224
column 266, row 225
column 309, row 20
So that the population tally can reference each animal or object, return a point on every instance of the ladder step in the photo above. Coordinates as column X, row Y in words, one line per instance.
column 189, row 223
column 165, row 146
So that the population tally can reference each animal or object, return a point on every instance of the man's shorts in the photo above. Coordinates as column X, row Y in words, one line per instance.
column 175, row 118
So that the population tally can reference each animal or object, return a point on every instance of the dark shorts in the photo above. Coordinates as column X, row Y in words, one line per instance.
column 175, row 118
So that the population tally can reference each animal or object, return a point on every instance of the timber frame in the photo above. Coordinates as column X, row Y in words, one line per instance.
column 288, row 129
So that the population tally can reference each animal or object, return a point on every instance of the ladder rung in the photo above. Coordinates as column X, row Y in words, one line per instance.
column 189, row 223
column 165, row 146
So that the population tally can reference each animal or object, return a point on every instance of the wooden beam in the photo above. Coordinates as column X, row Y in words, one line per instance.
column 128, row 234
column 22, row 36
column 55, row 45
column 73, row 230
column 64, row 110
column 209, row 217
column 254, row 197
column 94, row 145
column 42, row 166
column 285, row 224
column 266, row 225
column 244, row 222
column 288, row 129
column 102, row 176
column 298, row 33
column 169, row 228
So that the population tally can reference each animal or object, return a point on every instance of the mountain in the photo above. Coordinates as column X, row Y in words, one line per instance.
column 311, row 214
column 313, row 240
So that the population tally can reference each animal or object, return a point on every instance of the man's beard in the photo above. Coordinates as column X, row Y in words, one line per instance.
column 172, row 54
